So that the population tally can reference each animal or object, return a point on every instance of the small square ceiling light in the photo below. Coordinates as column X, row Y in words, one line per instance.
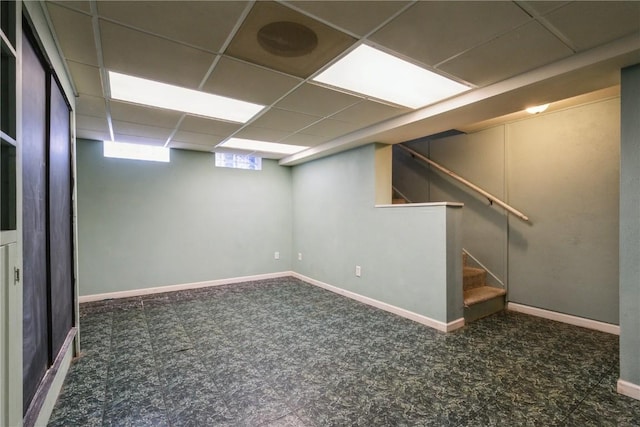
column 261, row 146
column 162, row 95
column 377, row 74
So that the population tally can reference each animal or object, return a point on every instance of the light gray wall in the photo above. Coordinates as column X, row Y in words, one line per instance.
column 402, row 250
column 560, row 169
column 148, row 224
column 630, row 227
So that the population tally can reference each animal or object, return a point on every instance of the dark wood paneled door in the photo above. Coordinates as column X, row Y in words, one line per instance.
column 48, row 292
column 60, row 220
column 35, row 326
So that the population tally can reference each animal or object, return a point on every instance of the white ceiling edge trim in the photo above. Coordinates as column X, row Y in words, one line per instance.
column 618, row 48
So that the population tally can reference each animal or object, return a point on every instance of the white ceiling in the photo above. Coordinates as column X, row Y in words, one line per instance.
column 514, row 54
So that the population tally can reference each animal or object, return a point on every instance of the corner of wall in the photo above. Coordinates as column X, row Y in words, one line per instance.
column 383, row 163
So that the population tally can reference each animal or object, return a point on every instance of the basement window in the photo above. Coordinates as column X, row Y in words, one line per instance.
column 238, row 161
column 124, row 150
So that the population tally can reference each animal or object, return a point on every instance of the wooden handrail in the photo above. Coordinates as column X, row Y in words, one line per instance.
column 489, row 196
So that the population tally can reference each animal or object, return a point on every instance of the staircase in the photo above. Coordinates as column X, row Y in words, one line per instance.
column 480, row 300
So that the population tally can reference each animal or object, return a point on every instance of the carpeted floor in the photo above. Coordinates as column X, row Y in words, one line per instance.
column 285, row 353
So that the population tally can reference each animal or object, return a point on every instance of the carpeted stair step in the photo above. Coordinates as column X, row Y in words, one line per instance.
column 481, row 294
column 482, row 302
column 473, row 278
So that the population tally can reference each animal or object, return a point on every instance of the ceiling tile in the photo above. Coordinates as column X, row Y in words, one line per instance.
column 192, row 147
column 358, row 17
column 197, row 138
column 135, row 129
column 262, row 134
column 330, row 128
column 88, row 105
column 126, row 112
column 142, row 55
column 599, row 21
column 304, row 140
column 75, row 34
column 82, row 5
column 284, row 120
column 92, row 123
column 240, row 80
column 245, row 44
column 542, row 7
column 433, row 31
column 205, row 24
column 369, row 112
column 209, row 126
column 86, row 78
column 135, row 139
column 524, row 49
column 317, row 100
column 93, row 134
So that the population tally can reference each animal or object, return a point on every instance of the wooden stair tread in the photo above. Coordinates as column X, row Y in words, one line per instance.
column 480, row 294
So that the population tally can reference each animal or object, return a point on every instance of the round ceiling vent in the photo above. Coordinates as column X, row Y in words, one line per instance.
column 289, row 39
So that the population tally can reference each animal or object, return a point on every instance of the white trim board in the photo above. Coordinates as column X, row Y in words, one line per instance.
column 181, row 287
column 565, row 318
column 427, row 321
column 629, row 389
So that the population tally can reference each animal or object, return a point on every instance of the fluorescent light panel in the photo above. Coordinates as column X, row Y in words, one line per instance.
column 162, row 95
column 125, row 150
column 261, row 146
column 374, row 73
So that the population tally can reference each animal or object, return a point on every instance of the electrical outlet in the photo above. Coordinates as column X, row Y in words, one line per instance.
column 358, row 271
column 299, row 256
column 276, row 255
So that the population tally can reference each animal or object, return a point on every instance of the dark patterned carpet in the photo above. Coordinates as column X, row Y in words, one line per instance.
column 285, row 353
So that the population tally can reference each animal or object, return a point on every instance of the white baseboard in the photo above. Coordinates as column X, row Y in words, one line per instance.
column 629, row 389
column 427, row 321
column 172, row 288
column 565, row 318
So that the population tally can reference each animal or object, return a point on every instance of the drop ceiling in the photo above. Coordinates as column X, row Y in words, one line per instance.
column 513, row 55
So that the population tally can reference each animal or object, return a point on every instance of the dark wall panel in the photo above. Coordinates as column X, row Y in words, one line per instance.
column 60, row 244
column 34, row 181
